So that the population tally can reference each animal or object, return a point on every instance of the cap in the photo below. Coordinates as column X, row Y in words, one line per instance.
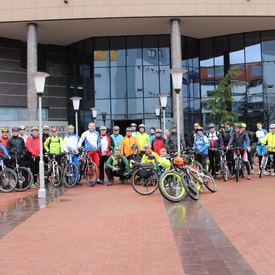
column 129, row 129
column 117, row 148
column 134, row 147
column 102, row 128
column 15, row 129
column 22, row 127
column 116, row 128
column 141, row 126
column 158, row 131
column 34, row 128
column 199, row 129
column 53, row 129
column 4, row 130
column 46, row 127
column 133, row 124
column 70, row 127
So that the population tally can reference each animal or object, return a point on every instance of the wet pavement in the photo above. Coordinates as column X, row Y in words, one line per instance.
column 25, row 207
column 203, row 247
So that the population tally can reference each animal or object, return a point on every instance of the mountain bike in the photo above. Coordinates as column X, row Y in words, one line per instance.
column 87, row 169
column 264, row 161
column 24, row 175
column 70, row 171
column 223, row 165
column 8, row 178
column 240, row 169
column 54, row 171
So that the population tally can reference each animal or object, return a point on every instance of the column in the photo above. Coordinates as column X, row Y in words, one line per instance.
column 176, row 59
column 31, row 68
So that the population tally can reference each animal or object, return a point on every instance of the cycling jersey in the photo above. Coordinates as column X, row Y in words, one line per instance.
column 143, row 139
column 117, row 139
column 260, row 134
column 70, row 143
column 54, row 145
column 91, row 140
column 4, row 150
column 201, row 144
column 150, row 158
column 269, row 139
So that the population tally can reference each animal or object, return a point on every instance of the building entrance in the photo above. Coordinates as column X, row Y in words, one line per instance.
column 123, row 124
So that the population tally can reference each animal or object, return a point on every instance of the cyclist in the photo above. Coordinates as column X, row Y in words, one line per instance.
column 200, row 146
column 152, row 134
column 159, row 142
column 22, row 133
column 135, row 156
column 171, row 144
column 70, row 145
column 127, row 142
column 116, row 136
column 33, row 148
column 16, row 146
column 117, row 166
column 163, row 162
column 215, row 143
column 226, row 132
column 4, row 150
column 4, row 139
column 134, row 129
column 54, row 145
column 149, row 156
column 241, row 139
column 105, row 151
column 142, row 138
column 269, row 139
column 260, row 134
column 91, row 140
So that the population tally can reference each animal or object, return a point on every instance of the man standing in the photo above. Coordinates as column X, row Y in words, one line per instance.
column 91, row 140
column 22, row 133
column 143, row 138
column 45, row 135
column 127, row 143
column 260, row 134
column 171, row 144
column 4, row 139
column 116, row 136
column 152, row 134
column 159, row 142
column 200, row 146
column 134, row 129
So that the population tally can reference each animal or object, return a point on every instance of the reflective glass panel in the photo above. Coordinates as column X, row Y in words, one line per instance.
column 135, row 106
column 164, row 49
column 164, row 74
column 149, row 104
column 134, row 81
column 119, row 106
column 252, row 47
column 118, row 82
column 268, row 49
column 150, row 50
column 151, row 81
column 102, row 82
column 134, row 50
column 117, row 51
column 236, row 48
column 101, row 52
column 103, row 105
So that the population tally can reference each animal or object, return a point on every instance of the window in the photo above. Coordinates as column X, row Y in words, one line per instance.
column 18, row 114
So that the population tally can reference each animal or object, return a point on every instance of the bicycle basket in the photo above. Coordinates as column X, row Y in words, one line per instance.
column 146, row 170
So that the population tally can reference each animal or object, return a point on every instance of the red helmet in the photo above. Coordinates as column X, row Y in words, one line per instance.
column 53, row 129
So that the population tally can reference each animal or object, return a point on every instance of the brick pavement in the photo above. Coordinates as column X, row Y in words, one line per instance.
column 245, row 212
column 101, row 230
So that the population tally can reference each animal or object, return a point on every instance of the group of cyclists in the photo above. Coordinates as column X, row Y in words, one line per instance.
column 114, row 154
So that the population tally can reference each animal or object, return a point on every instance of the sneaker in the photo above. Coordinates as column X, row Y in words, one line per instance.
column 267, row 173
column 273, row 174
column 249, row 177
column 34, row 185
column 252, row 171
column 99, row 181
column 109, row 183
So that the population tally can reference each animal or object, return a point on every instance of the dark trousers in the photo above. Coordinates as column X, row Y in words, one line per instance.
column 229, row 159
column 269, row 161
column 111, row 174
column 201, row 158
column 34, row 165
column 214, row 161
column 102, row 161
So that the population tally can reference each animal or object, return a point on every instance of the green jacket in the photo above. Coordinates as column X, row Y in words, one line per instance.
column 146, row 159
column 142, row 140
column 54, row 145
column 112, row 161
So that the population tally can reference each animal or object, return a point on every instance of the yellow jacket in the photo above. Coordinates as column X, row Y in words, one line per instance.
column 126, row 144
column 269, row 139
column 152, row 158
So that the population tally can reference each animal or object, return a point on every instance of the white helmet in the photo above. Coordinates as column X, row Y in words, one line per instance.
column 272, row 126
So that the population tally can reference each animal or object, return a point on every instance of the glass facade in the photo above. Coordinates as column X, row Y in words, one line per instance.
column 124, row 76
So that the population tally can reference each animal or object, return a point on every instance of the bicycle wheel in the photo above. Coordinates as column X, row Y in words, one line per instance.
column 8, row 180
column 209, row 181
column 263, row 165
column 91, row 173
column 244, row 171
column 197, row 165
column 224, row 171
column 192, row 187
column 55, row 176
column 24, row 179
column 145, row 186
column 171, row 186
column 70, row 175
column 237, row 169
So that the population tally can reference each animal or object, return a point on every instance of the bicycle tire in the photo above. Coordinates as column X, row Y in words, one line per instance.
column 57, row 179
column 165, row 182
column 8, row 180
column 190, row 187
column 91, row 176
column 70, row 175
column 237, row 169
column 263, row 165
column 224, row 171
column 139, row 184
column 208, row 175
column 24, row 174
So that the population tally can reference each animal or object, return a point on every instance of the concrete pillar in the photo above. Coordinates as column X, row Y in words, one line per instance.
column 31, row 68
column 176, row 59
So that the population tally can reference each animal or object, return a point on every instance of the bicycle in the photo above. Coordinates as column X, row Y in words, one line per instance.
column 223, row 165
column 8, row 178
column 264, row 161
column 70, row 171
column 54, row 174
column 24, row 175
column 87, row 169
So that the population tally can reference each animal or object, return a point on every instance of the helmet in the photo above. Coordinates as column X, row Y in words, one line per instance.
column 272, row 126
column 141, row 126
column 129, row 129
column 211, row 125
column 22, row 127
column 199, row 129
column 243, row 125
column 70, row 127
column 116, row 128
column 34, row 128
column 133, row 124
column 117, row 148
column 158, row 131
column 4, row 130
column 147, row 146
column 173, row 125
column 102, row 128
column 54, row 130
column 178, row 161
column 15, row 129
column 46, row 127
column 237, row 125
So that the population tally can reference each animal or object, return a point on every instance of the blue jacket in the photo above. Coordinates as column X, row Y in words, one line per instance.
column 201, row 144
column 117, row 139
column 91, row 140
column 4, row 150
column 152, row 137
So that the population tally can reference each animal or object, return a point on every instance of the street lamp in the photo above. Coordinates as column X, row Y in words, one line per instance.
column 177, row 84
column 94, row 112
column 39, row 81
column 76, row 103
column 157, row 111
column 104, row 115
column 163, row 104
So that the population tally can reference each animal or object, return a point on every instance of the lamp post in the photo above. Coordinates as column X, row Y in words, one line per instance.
column 157, row 112
column 104, row 115
column 39, row 81
column 94, row 112
column 163, row 104
column 76, row 103
column 177, row 84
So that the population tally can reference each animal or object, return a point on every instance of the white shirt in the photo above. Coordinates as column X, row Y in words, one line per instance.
column 104, row 145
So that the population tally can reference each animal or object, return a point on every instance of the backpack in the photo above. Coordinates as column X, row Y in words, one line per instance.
column 50, row 140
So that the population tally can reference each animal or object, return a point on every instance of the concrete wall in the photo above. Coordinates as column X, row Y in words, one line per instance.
column 27, row 10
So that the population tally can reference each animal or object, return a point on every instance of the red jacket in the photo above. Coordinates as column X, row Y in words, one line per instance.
column 111, row 145
column 33, row 145
column 4, row 142
column 157, row 144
